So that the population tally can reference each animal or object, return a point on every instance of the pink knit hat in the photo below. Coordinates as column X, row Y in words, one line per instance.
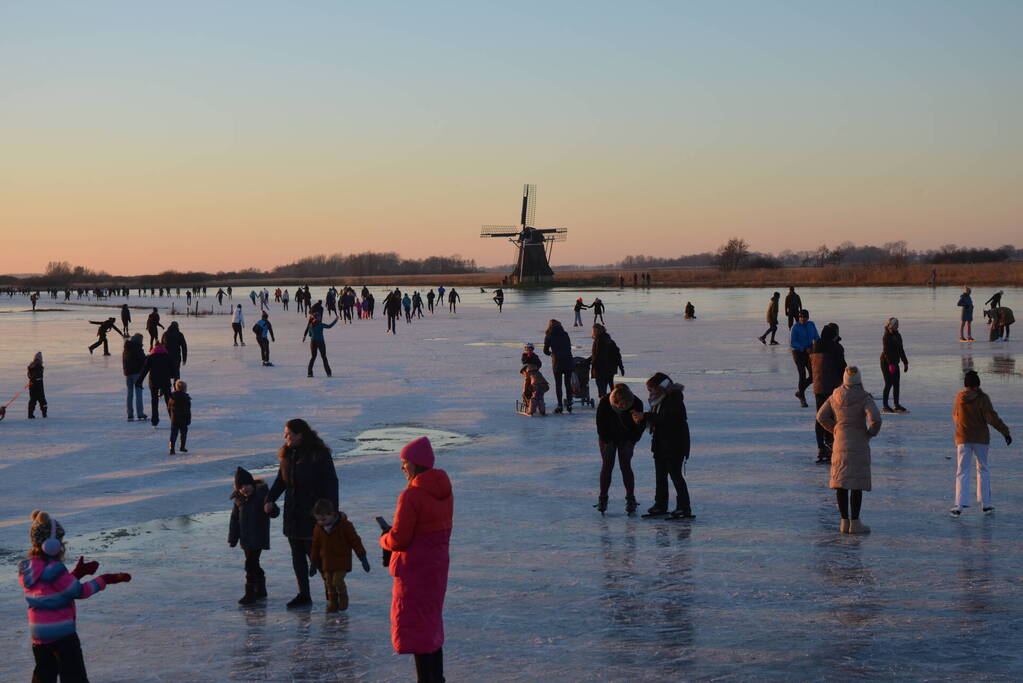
column 418, row 452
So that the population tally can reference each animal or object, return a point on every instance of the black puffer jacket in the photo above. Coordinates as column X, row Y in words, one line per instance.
column 669, row 426
column 312, row 477
column 616, row 427
column 606, row 357
column 158, row 367
column 892, row 351
column 176, row 345
column 827, row 362
column 558, row 346
column 250, row 525
column 133, row 357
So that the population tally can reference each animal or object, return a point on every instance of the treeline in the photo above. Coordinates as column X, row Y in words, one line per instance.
column 736, row 254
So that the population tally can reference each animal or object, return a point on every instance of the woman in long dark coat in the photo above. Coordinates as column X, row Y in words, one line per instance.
column 305, row 474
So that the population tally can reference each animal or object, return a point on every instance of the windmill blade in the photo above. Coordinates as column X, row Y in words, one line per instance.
column 499, row 231
column 554, row 234
column 528, row 205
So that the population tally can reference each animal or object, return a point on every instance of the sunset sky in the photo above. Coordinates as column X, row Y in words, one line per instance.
column 138, row 137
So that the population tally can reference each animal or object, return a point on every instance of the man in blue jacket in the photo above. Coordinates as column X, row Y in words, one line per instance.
column 804, row 334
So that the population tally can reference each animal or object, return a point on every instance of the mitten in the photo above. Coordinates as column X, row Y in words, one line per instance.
column 115, row 578
column 84, row 568
column 312, row 570
column 365, row 562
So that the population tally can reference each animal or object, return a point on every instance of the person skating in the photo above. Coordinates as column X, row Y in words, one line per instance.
column 177, row 348
column 801, row 339
column 669, row 429
column 285, row 299
column 418, row 543
column 617, row 434
column 392, row 309
column 598, row 310
column 250, row 527
column 158, row 367
column 305, row 473
column 101, row 333
column 892, row 352
column 237, row 320
column 772, row 320
column 51, row 591
column 605, row 358
column 179, row 409
column 417, row 305
column 689, row 312
column 429, row 300
column 125, row 319
column 334, row 540
column 995, row 300
column 440, row 295
column 966, row 315
column 852, row 416
column 314, row 330
column 220, row 297
column 406, row 304
column 529, row 356
column 578, row 309
column 793, row 305
column 453, row 299
column 36, row 391
column 972, row 414
column 499, row 299
column 558, row 346
column 133, row 360
column 264, row 332
column 152, row 325
column 534, row 386
column 827, row 363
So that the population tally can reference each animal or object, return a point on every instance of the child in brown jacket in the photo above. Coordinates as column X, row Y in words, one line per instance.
column 334, row 539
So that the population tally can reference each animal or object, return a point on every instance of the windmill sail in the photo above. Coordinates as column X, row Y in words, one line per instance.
column 532, row 244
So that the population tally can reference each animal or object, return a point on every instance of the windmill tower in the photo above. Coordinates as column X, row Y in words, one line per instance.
column 533, row 245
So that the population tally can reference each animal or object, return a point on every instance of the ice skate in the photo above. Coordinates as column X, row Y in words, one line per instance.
column 601, row 504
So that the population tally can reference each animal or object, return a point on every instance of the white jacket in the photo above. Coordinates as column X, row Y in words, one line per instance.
column 238, row 317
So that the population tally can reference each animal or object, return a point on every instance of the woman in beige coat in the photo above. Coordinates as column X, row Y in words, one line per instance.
column 852, row 416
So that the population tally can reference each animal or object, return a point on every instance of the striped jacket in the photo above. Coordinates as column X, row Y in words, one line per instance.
column 51, row 591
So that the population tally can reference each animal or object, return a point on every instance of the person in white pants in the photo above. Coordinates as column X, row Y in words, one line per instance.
column 972, row 414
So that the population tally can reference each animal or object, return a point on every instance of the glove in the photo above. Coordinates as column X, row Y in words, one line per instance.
column 312, row 570
column 233, row 544
column 1008, row 440
column 115, row 578
column 84, row 568
column 905, row 367
column 365, row 562
column 892, row 368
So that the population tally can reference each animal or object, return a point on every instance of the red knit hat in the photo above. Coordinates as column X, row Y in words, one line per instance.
column 418, row 452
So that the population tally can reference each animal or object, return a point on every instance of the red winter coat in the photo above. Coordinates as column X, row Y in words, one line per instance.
column 419, row 562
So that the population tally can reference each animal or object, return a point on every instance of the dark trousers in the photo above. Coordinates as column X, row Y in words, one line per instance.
column 62, row 658
column 264, row 348
column 802, row 361
column 563, row 379
column 391, row 323
column 175, row 431
column 321, row 348
column 237, row 327
column 154, row 402
column 153, row 336
column 36, row 394
column 430, row 668
column 845, row 497
column 624, row 451
column 452, row 307
column 429, row 304
column 253, row 572
column 604, row 385
column 891, row 382
column 792, row 318
column 670, row 467
column 825, row 439
column 101, row 341
column 770, row 331
column 300, row 549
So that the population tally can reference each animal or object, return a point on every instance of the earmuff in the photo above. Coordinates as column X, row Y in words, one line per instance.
column 52, row 546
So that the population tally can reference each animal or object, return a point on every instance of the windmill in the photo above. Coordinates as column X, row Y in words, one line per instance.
column 533, row 244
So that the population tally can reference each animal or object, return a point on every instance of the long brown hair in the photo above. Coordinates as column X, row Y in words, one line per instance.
column 311, row 441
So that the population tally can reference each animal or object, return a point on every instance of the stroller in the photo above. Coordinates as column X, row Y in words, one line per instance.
column 581, row 381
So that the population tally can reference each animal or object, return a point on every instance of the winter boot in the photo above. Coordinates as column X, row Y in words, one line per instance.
column 332, row 605
column 250, row 594
column 857, row 527
column 657, row 510
column 170, row 450
column 843, row 526
column 630, row 504
column 601, row 504
column 558, row 410
column 300, row 600
column 44, row 411
column 261, row 587
column 802, row 400
column 183, row 449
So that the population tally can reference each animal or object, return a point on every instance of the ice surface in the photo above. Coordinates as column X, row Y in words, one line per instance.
column 759, row 585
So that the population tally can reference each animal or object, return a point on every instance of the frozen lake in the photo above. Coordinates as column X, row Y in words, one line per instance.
column 759, row 585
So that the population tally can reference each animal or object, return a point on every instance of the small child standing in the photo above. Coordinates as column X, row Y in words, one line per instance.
column 179, row 406
column 534, row 386
column 36, row 393
column 51, row 591
column 250, row 525
column 334, row 539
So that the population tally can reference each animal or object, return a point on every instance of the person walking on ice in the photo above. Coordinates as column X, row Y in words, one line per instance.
column 152, row 325
column 125, row 319
column 36, row 392
column 892, row 353
column 852, row 416
column 334, row 540
column 578, row 308
column 801, row 339
column 250, row 526
column 772, row 320
column 972, row 414
column 237, row 320
column 453, row 299
column 669, row 442
column 264, row 332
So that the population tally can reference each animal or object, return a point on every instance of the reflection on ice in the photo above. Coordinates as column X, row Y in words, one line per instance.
column 1003, row 365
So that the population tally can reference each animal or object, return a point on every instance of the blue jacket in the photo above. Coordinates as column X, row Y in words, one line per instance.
column 803, row 336
column 315, row 330
column 966, row 302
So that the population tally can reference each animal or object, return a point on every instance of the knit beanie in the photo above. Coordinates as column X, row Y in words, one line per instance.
column 418, row 452
column 39, row 532
column 852, row 376
column 971, row 379
column 243, row 478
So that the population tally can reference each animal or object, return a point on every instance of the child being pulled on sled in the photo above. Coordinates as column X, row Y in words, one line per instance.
column 534, row 386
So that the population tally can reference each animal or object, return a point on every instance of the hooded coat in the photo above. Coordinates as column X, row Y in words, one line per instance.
column 332, row 550
column 852, row 416
column 418, row 542
column 175, row 343
column 133, row 357
column 972, row 414
column 558, row 346
column 250, row 524
column 669, row 426
column 827, row 363
column 312, row 476
column 158, row 366
column 607, row 358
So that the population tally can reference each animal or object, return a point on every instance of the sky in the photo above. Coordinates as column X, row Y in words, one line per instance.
column 141, row 137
